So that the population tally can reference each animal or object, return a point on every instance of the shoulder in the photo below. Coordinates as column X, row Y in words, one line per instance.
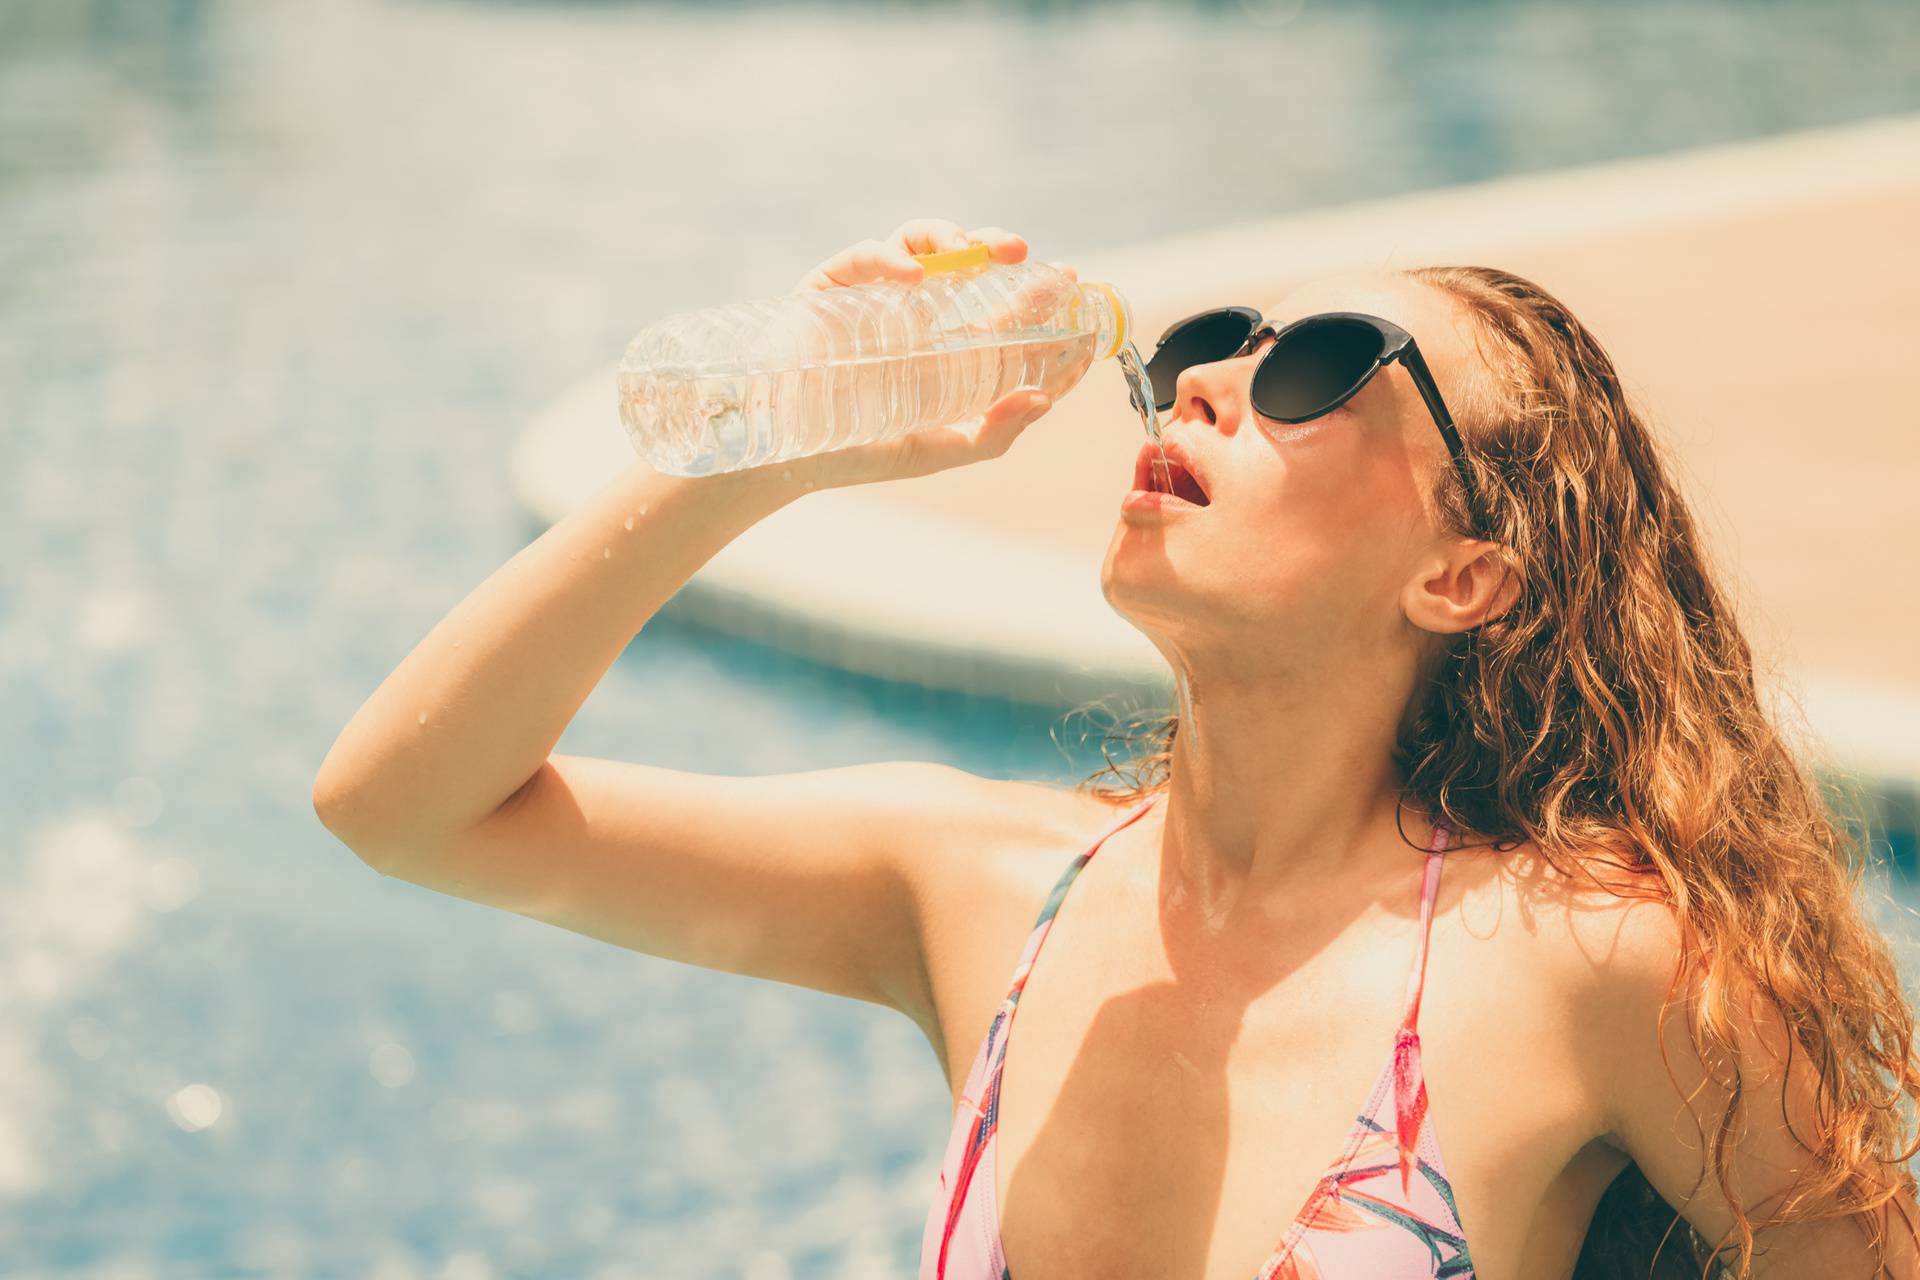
column 978, row 837
column 1586, row 943
column 1613, row 947
column 1596, row 928
column 963, row 811
column 1565, row 980
column 992, row 848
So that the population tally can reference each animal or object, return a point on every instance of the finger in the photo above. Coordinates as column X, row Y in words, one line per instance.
column 989, row 436
column 1021, row 405
column 929, row 235
column 1007, row 418
column 872, row 260
column 1003, row 244
column 860, row 263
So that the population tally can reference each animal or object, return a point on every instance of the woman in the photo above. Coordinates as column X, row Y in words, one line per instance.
column 1402, row 646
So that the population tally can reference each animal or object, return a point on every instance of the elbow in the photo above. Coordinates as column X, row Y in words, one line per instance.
column 331, row 804
column 342, row 811
column 387, row 828
column 339, row 803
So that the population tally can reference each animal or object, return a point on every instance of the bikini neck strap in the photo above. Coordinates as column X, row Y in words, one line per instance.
column 1429, row 892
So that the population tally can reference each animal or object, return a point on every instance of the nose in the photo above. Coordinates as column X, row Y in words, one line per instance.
column 1217, row 391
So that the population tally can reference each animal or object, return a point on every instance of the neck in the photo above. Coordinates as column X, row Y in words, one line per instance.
column 1280, row 785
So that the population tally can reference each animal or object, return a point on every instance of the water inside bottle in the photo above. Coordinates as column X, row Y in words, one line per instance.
column 1140, row 391
column 766, row 412
column 709, row 421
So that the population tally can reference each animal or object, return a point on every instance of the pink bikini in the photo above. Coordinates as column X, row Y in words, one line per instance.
column 1383, row 1210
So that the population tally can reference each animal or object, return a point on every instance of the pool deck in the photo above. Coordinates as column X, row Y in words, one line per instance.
column 1760, row 298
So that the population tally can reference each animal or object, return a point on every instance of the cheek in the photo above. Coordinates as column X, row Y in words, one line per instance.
column 1320, row 484
column 1284, row 546
column 1329, row 518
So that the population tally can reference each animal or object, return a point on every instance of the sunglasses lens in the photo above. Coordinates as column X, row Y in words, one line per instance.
column 1201, row 340
column 1313, row 366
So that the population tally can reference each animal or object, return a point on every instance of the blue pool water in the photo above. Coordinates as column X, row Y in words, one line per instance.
column 279, row 283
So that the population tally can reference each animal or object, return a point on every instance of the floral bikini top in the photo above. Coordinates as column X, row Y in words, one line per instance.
column 1383, row 1210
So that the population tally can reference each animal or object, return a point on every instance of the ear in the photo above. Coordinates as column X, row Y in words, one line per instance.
column 1469, row 582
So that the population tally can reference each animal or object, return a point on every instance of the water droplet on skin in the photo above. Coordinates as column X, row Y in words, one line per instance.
column 629, row 524
column 606, row 553
column 786, row 473
column 423, row 717
column 807, row 485
column 643, row 508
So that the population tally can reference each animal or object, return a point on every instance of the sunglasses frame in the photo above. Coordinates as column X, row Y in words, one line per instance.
column 1395, row 344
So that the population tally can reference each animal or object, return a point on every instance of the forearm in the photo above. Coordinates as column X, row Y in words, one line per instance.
column 475, row 709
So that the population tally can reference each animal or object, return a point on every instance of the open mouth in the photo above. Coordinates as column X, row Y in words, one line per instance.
column 1171, row 477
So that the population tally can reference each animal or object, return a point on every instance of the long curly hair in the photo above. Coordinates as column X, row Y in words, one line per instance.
column 1611, row 716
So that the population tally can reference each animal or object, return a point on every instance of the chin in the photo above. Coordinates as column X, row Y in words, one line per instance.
column 1140, row 583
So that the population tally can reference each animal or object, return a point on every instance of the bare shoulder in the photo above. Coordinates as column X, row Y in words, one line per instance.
column 990, row 839
column 978, row 882
column 1586, row 947
column 1565, row 962
column 1595, row 926
column 973, row 812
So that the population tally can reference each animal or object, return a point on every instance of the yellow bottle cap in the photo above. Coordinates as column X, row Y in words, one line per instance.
column 1119, row 315
column 979, row 254
column 976, row 254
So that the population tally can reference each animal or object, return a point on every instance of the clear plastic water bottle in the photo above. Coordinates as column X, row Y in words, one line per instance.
column 750, row 383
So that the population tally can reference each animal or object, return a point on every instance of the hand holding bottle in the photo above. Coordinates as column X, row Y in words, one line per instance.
column 876, row 366
column 939, row 448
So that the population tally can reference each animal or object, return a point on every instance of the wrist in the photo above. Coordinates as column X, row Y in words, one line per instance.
column 782, row 481
column 758, row 490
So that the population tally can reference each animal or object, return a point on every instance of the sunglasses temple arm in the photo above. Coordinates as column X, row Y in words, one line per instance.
column 1430, row 392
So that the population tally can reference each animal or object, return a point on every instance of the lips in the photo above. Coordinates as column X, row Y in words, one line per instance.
column 1178, row 477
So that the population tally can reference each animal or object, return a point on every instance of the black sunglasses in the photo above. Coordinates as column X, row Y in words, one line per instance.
column 1315, row 365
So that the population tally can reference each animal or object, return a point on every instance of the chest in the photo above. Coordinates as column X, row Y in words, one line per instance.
column 1164, row 1110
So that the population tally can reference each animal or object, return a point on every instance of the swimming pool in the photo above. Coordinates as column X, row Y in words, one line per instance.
column 281, row 283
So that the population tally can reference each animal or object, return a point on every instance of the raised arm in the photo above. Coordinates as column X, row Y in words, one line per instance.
column 446, row 776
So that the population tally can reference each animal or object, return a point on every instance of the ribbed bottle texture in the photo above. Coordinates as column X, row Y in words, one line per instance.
column 750, row 383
